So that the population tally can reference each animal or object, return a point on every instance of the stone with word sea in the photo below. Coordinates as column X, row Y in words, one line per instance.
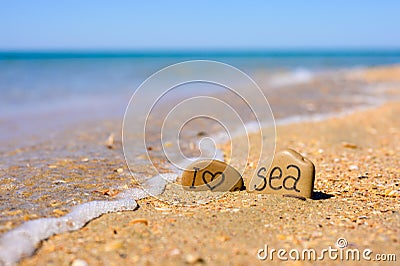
column 213, row 175
column 290, row 174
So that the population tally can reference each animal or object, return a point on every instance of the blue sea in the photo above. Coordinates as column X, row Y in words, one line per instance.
column 53, row 88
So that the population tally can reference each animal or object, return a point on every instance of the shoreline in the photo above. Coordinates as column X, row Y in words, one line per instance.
column 344, row 207
column 315, row 149
column 20, row 125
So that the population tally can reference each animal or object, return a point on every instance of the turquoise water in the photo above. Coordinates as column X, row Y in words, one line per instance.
column 55, row 77
column 73, row 85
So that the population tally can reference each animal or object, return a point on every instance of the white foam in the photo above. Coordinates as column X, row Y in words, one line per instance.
column 325, row 116
column 297, row 76
column 22, row 241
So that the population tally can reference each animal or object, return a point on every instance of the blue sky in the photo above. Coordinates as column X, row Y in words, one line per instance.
column 198, row 24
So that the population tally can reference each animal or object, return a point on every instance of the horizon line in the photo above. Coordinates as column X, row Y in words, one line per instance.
column 217, row 52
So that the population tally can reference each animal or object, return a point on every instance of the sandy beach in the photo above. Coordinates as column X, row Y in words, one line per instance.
column 356, row 157
column 356, row 196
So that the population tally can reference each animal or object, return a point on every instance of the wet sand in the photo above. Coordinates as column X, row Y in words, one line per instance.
column 357, row 196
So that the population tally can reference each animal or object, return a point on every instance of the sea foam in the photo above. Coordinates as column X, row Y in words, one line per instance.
column 23, row 240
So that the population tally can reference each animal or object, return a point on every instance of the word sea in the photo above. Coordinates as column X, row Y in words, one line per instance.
column 290, row 174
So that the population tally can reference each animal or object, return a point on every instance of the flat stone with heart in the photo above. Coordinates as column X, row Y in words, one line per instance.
column 213, row 175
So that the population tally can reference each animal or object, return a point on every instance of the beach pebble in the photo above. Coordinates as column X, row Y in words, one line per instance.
column 394, row 193
column 211, row 175
column 113, row 245
column 163, row 209
column 59, row 181
column 174, row 252
column 349, row 145
column 119, row 170
column 201, row 133
column 353, row 167
column 193, row 258
column 290, row 174
column 79, row 262
column 110, row 141
column 139, row 221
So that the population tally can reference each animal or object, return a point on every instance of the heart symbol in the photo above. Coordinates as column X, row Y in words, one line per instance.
column 212, row 178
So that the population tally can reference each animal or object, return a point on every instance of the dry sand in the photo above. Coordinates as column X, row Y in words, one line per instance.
column 357, row 197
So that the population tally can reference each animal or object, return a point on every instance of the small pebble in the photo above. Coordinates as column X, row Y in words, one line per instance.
column 192, row 259
column 349, row 145
column 114, row 245
column 110, row 141
column 119, row 170
column 353, row 167
column 223, row 238
column 175, row 252
column 201, row 133
column 59, row 181
column 162, row 209
column 139, row 220
column 79, row 262
column 394, row 193
column 250, row 164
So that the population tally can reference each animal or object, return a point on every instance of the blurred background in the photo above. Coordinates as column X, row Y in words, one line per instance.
column 63, row 62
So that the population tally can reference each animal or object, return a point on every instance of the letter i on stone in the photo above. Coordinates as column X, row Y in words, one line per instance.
column 211, row 175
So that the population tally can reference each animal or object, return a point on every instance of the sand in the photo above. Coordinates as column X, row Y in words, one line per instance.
column 357, row 193
column 356, row 158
